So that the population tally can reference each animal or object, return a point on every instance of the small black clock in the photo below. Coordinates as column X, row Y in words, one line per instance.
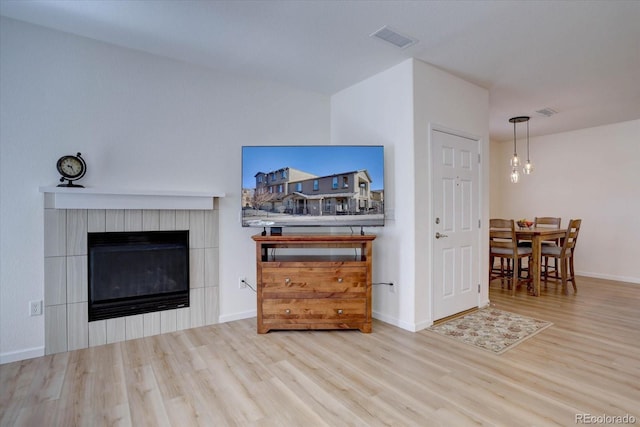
column 72, row 168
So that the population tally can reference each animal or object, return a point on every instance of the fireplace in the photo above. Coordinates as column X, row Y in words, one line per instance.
column 66, row 300
column 137, row 272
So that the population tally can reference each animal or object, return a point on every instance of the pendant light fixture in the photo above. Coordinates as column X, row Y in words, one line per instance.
column 528, row 167
column 515, row 160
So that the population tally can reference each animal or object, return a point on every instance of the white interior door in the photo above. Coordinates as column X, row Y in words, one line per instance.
column 456, row 228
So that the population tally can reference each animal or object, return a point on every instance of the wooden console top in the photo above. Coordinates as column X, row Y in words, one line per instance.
column 314, row 238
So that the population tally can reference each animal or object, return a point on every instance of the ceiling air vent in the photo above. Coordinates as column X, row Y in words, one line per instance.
column 398, row 40
column 547, row 112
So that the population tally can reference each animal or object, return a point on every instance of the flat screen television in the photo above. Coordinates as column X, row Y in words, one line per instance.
column 313, row 186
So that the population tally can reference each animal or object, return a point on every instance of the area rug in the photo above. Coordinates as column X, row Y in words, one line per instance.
column 491, row 329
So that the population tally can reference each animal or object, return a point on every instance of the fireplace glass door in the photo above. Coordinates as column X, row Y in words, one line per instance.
column 137, row 272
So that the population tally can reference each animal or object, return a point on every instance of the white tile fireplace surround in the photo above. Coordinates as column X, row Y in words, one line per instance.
column 72, row 213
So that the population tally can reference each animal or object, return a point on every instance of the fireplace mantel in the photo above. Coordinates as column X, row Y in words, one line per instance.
column 99, row 198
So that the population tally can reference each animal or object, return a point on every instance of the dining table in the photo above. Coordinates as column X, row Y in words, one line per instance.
column 537, row 235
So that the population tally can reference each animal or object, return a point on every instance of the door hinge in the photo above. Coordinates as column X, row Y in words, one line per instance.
column 478, row 287
column 478, row 157
column 479, row 223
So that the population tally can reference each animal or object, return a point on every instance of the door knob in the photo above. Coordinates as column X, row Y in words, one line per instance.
column 438, row 235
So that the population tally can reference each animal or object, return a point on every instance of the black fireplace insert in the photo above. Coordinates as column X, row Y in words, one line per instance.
column 137, row 272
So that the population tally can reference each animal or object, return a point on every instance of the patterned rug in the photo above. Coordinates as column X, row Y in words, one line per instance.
column 491, row 329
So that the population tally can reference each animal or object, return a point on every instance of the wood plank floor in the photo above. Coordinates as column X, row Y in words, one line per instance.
column 587, row 363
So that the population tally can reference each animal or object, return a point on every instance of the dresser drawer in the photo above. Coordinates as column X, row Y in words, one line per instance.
column 314, row 282
column 309, row 310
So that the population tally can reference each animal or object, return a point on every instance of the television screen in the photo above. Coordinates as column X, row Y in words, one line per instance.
column 312, row 185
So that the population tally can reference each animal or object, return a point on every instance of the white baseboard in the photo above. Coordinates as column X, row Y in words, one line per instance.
column 394, row 321
column 15, row 356
column 237, row 316
column 415, row 327
column 423, row 325
column 634, row 280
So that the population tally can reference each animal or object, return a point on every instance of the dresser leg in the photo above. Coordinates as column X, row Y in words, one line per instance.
column 365, row 329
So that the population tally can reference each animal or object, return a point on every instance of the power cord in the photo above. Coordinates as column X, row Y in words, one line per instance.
column 361, row 230
column 249, row 285
column 383, row 283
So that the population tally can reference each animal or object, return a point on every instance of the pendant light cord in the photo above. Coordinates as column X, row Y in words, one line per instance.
column 515, row 151
column 527, row 141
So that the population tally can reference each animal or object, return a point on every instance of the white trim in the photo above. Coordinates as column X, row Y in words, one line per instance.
column 634, row 280
column 15, row 356
column 98, row 198
column 394, row 321
column 238, row 316
column 423, row 325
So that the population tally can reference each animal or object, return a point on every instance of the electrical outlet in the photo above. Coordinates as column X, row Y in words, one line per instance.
column 35, row 308
column 242, row 282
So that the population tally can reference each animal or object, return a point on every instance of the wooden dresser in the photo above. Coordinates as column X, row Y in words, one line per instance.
column 314, row 281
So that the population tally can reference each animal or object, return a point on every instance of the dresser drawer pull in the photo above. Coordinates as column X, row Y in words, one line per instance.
column 339, row 311
column 339, row 279
column 287, row 280
column 287, row 311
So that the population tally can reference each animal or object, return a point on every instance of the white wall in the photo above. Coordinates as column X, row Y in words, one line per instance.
column 141, row 122
column 379, row 111
column 593, row 174
column 396, row 108
column 446, row 101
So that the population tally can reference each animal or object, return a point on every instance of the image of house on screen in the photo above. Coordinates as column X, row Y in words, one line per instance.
column 295, row 192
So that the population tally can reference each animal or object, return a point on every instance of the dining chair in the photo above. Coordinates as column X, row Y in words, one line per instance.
column 504, row 245
column 548, row 222
column 544, row 222
column 564, row 255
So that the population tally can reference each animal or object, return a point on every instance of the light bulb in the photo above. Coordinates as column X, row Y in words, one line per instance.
column 515, row 176
column 528, row 168
column 515, row 161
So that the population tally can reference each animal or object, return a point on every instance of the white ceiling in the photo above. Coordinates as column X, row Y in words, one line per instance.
column 580, row 58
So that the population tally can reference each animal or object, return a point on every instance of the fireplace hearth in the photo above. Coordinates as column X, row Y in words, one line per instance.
column 137, row 272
